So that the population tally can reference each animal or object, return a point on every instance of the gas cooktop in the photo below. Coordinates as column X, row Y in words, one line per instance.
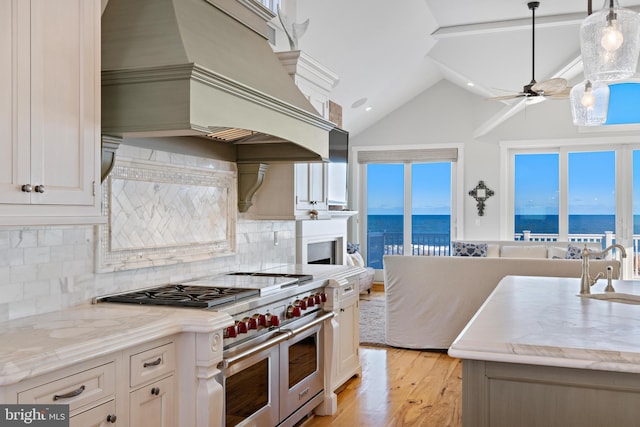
column 180, row 295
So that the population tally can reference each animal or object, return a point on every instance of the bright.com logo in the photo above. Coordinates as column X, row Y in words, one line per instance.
column 34, row 415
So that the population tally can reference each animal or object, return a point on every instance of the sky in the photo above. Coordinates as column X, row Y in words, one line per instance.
column 591, row 178
column 431, row 189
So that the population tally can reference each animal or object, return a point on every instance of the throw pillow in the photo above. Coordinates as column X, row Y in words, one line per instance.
column 469, row 249
column 357, row 259
column 352, row 248
column 574, row 252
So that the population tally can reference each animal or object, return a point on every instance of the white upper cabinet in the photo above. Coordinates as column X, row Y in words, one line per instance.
column 49, row 111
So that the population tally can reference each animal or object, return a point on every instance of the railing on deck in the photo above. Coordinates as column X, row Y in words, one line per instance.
column 435, row 244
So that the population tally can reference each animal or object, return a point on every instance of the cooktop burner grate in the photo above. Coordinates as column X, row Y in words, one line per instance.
column 185, row 296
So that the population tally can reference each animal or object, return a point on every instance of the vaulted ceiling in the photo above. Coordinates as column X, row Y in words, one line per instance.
column 389, row 52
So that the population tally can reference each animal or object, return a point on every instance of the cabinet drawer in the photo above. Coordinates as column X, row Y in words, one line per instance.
column 151, row 364
column 77, row 390
column 100, row 416
column 349, row 293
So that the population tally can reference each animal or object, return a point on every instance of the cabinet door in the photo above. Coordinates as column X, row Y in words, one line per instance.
column 348, row 358
column 311, row 186
column 318, row 184
column 14, row 100
column 153, row 405
column 64, row 100
column 100, row 416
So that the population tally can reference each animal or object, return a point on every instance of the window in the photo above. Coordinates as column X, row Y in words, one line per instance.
column 623, row 101
column 591, row 197
column 408, row 202
column 566, row 195
column 536, row 193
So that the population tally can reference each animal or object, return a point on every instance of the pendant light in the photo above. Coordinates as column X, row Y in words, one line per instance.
column 589, row 103
column 610, row 42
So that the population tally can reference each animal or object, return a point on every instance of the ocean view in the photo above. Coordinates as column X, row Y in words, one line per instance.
column 440, row 224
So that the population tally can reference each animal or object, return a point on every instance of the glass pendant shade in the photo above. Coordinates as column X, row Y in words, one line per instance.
column 589, row 103
column 610, row 42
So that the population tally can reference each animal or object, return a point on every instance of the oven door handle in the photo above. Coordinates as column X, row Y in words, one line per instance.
column 314, row 322
column 285, row 335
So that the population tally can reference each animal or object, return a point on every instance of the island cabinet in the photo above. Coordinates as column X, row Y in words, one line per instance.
column 538, row 353
column 293, row 191
column 49, row 111
column 506, row 395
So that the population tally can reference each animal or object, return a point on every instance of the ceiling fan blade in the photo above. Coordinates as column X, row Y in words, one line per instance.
column 506, row 97
column 550, row 87
column 564, row 94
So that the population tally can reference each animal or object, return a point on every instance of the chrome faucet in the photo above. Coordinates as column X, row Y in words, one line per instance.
column 586, row 281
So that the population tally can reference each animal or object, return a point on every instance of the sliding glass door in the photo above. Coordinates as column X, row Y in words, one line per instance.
column 408, row 210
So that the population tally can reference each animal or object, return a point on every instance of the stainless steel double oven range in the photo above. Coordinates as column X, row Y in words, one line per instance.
column 273, row 365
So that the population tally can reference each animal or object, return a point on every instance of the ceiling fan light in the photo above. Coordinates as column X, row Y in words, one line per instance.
column 610, row 43
column 589, row 103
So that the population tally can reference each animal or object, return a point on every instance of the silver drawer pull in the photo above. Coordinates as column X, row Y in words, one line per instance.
column 74, row 393
column 154, row 363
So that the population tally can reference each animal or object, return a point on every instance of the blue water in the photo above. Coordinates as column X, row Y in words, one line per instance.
column 440, row 224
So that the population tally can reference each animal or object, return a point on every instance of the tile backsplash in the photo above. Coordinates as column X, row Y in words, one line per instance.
column 45, row 269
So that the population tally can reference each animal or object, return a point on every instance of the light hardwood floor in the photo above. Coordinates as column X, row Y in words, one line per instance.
column 400, row 388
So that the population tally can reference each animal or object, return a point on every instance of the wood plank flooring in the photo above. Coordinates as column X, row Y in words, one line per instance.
column 400, row 388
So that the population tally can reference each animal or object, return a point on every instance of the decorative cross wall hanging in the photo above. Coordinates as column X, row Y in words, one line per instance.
column 481, row 193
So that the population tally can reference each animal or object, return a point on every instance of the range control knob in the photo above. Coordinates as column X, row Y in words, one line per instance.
column 262, row 320
column 242, row 327
column 231, row 332
column 323, row 297
column 253, row 321
column 275, row 320
column 301, row 303
column 317, row 299
column 310, row 301
column 293, row 311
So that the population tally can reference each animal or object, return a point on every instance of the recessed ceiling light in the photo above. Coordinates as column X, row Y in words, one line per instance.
column 470, row 84
column 359, row 103
column 368, row 108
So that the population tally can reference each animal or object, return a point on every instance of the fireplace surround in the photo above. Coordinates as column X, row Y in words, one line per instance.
column 319, row 240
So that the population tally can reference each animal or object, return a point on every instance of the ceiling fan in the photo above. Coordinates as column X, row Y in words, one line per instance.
column 555, row 88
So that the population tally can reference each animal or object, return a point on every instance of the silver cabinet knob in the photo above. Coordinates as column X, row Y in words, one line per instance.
column 27, row 188
column 39, row 189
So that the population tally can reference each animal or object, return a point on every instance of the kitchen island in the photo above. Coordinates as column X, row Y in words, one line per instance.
column 538, row 354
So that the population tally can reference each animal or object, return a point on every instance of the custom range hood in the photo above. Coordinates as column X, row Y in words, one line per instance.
column 204, row 68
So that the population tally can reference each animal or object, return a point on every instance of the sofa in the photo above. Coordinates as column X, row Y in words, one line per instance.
column 430, row 299
column 366, row 277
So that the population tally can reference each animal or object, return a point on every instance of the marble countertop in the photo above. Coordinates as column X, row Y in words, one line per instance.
column 43, row 343
column 544, row 321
